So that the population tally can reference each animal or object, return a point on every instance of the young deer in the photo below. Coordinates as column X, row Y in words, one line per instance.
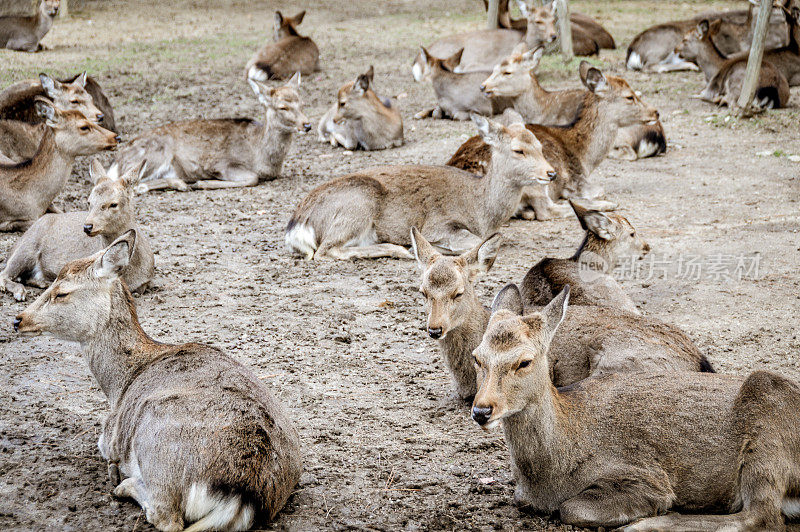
column 56, row 239
column 218, row 153
column 609, row 450
column 608, row 237
column 574, row 150
column 28, row 189
column 458, row 94
column 360, row 119
column 369, row 214
column 289, row 53
column 593, row 341
column 198, row 436
column 25, row 33
column 725, row 76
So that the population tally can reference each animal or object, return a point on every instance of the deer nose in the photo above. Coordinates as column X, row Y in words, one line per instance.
column 88, row 229
column 100, row 116
column 17, row 321
column 307, row 126
column 117, row 139
column 481, row 414
column 435, row 333
column 552, row 174
column 483, row 88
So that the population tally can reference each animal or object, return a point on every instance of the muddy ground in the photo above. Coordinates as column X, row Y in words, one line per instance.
column 386, row 446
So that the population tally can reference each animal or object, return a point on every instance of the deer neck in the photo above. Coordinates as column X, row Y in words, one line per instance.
column 532, row 102
column 49, row 170
column 274, row 144
column 498, row 194
column 593, row 246
column 461, row 341
column 119, row 351
column 710, row 59
column 592, row 135
column 42, row 22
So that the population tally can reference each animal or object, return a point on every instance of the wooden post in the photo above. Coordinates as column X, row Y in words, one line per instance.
column 564, row 29
column 754, row 60
column 491, row 14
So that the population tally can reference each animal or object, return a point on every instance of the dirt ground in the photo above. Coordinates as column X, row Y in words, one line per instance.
column 386, row 446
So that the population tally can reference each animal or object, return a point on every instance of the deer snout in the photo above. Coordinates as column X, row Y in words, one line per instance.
column 22, row 325
column 99, row 116
column 552, row 174
column 16, row 323
column 435, row 333
column 307, row 127
column 87, row 228
column 481, row 414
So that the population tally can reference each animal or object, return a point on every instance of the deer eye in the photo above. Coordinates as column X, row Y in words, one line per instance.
column 629, row 98
column 518, row 151
column 113, row 206
column 60, row 296
column 524, row 364
column 458, row 295
column 74, row 102
column 85, row 128
column 476, row 361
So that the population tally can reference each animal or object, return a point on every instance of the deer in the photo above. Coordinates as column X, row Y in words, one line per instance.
column 458, row 94
column 369, row 213
column 609, row 236
column 574, row 150
column 725, row 76
column 288, row 54
column 56, row 239
column 786, row 59
column 24, row 33
column 515, row 79
column 620, row 450
column 19, row 140
column 361, row 119
column 541, row 30
column 27, row 189
column 197, row 436
column 218, row 153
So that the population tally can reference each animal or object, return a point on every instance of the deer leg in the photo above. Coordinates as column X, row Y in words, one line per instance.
column 374, row 251
column 427, row 113
column 15, row 225
column 52, row 208
column 163, row 184
column 158, row 514
column 624, row 152
column 232, row 177
column 456, row 242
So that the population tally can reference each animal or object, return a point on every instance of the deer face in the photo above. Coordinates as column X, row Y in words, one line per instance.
column 541, row 27
column 696, row 40
column 512, row 77
column 110, row 202
column 618, row 98
column 283, row 104
column 354, row 101
column 611, row 235
column 71, row 96
column 74, row 133
column 50, row 7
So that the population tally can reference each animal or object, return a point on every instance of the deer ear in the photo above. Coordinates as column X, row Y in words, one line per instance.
column 294, row 81
column 423, row 250
column 96, row 171
column 45, row 109
column 523, row 8
column 492, row 132
column 298, row 18
column 555, row 311
column 595, row 221
column 115, row 257
column 480, row 259
column 278, row 20
column 534, row 56
column 81, row 80
column 49, row 85
column 714, row 27
column 370, row 73
column 509, row 299
column 134, row 174
column 452, row 62
column 362, row 83
column 594, row 80
column 702, row 28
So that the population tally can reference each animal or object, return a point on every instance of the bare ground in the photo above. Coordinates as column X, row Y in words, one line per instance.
column 386, row 446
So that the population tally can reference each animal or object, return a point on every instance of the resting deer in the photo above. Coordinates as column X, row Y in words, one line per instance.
column 25, row 33
column 575, row 150
column 515, row 79
column 369, row 214
column 609, row 450
column 56, row 239
column 289, row 53
column 28, row 189
column 458, row 94
column 542, row 30
column 360, row 119
column 218, row 153
column 608, row 237
column 593, row 341
column 786, row 59
column 725, row 76
column 19, row 140
column 199, row 438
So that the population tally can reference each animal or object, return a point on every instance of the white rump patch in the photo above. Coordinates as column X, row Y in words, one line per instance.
column 215, row 512
column 646, row 149
column 790, row 507
column 302, row 239
column 635, row 61
column 256, row 74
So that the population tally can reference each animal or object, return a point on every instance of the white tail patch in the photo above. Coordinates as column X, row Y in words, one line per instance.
column 416, row 70
column 646, row 149
column 256, row 74
column 215, row 512
column 302, row 239
column 635, row 61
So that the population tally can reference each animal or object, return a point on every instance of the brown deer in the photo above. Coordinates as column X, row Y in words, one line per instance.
column 25, row 33
column 56, row 239
column 458, row 94
column 218, row 153
column 786, row 59
column 607, row 451
column 725, row 76
column 19, row 140
column 593, row 341
column 289, row 53
column 28, row 189
column 542, row 30
column 198, row 437
column 608, row 238
column 575, row 150
column 369, row 214
column 360, row 119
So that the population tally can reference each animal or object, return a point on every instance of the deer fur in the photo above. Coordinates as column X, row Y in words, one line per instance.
column 289, row 52
column 25, row 33
column 725, row 76
column 360, row 119
column 574, row 150
column 19, row 140
column 608, row 237
column 609, row 450
column 786, row 59
column 198, row 437
column 593, row 340
column 56, row 239
column 541, row 30
column 27, row 189
column 218, row 153
column 369, row 214
column 458, row 94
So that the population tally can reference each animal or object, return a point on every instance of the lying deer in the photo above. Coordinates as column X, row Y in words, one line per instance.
column 28, row 189
column 19, row 140
column 575, row 150
column 787, row 58
column 608, row 238
column 515, row 80
column 458, row 94
column 289, row 53
column 541, row 30
column 609, row 450
column 199, row 438
column 218, row 153
column 56, row 239
column 360, row 119
column 369, row 214
column 594, row 340
column 725, row 76
column 25, row 33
